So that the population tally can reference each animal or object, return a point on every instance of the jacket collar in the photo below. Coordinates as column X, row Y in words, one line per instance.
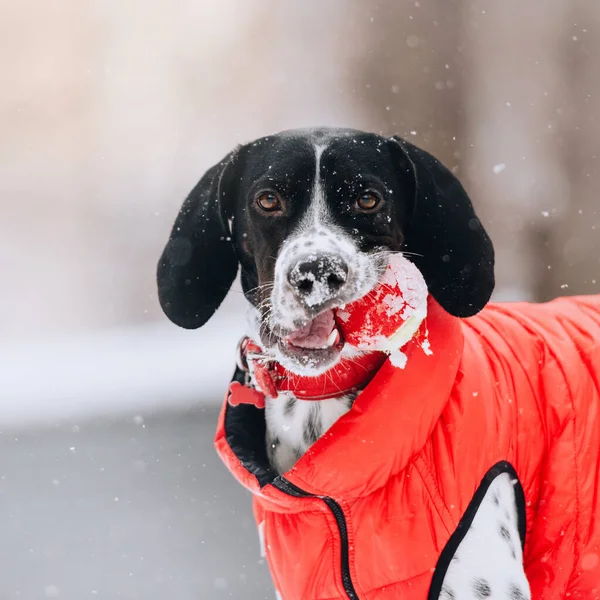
column 388, row 424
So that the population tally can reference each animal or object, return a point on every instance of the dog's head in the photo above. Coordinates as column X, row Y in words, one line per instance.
column 311, row 215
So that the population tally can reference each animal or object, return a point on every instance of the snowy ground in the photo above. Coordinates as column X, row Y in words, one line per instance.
column 128, row 509
column 143, row 368
column 109, row 483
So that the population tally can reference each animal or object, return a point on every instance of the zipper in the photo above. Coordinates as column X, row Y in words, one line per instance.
column 285, row 486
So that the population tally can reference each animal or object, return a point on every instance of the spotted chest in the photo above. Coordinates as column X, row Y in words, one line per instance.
column 488, row 563
column 294, row 425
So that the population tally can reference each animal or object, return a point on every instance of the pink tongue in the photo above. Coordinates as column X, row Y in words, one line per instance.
column 315, row 334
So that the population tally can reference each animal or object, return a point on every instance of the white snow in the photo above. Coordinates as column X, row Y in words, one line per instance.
column 394, row 304
column 398, row 358
column 499, row 168
column 342, row 315
column 426, row 346
column 132, row 370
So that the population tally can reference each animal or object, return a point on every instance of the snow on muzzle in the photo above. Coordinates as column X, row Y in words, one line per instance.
column 318, row 278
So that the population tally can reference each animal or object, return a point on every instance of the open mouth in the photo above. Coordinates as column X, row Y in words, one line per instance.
column 319, row 334
column 317, row 344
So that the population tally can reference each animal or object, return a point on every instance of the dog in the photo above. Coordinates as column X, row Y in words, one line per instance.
column 293, row 205
column 312, row 217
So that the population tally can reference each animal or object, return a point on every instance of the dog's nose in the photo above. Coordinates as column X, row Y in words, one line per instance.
column 316, row 279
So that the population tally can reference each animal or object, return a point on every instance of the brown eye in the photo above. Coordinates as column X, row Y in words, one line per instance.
column 268, row 201
column 367, row 201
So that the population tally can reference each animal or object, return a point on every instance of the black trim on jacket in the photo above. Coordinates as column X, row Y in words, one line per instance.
column 466, row 521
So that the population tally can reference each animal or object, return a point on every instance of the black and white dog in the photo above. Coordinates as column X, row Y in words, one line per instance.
column 311, row 216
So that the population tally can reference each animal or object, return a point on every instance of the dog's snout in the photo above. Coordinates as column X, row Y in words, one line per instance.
column 316, row 279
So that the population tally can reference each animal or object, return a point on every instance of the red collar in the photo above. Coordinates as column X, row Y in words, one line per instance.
column 348, row 376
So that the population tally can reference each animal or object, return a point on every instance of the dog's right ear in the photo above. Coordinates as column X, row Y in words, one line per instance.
column 199, row 262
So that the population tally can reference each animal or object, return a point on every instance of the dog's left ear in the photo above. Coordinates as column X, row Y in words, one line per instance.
column 451, row 248
column 199, row 262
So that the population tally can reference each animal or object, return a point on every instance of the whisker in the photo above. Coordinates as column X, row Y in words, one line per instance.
column 262, row 287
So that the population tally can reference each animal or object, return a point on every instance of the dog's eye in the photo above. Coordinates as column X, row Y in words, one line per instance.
column 367, row 201
column 268, row 201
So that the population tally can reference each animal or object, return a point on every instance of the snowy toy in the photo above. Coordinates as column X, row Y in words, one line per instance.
column 377, row 325
column 390, row 314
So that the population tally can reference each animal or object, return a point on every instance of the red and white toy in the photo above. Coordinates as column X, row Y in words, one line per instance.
column 389, row 315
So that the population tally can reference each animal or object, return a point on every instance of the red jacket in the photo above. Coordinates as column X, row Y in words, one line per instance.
column 367, row 511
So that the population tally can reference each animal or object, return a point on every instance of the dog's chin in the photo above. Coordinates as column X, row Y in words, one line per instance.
column 309, row 362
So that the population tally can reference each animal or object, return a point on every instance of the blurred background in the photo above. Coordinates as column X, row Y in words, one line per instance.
column 109, row 114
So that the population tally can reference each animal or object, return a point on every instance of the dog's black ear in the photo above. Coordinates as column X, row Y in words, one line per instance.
column 199, row 262
column 451, row 248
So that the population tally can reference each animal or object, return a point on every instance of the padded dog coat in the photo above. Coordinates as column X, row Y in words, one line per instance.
column 375, row 507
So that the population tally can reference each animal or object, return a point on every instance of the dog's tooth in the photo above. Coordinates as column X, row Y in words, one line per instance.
column 332, row 339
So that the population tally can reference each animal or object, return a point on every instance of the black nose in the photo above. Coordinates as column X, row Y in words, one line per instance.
column 316, row 279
